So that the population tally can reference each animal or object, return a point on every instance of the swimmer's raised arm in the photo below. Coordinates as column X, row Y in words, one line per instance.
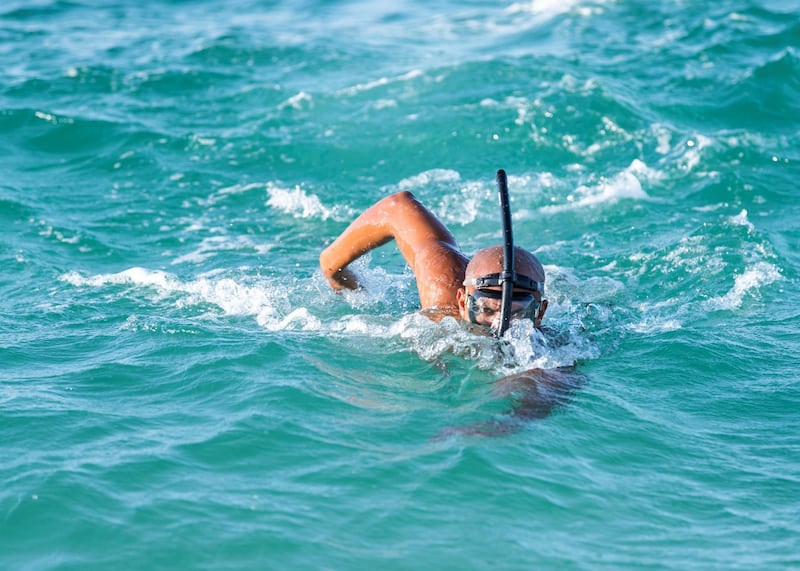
column 426, row 244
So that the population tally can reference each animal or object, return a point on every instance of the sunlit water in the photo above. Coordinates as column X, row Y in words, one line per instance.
column 179, row 389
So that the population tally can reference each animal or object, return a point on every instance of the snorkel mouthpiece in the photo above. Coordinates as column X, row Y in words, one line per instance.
column 507, row 276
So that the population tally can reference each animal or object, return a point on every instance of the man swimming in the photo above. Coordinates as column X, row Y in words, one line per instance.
column 450, row 284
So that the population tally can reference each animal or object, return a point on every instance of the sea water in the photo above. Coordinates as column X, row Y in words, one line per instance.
column 180, row 389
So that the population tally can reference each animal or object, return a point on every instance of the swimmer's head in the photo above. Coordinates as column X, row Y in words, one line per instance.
column 480, row 300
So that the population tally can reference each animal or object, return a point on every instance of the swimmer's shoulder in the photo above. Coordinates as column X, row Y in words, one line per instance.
column 439, row 312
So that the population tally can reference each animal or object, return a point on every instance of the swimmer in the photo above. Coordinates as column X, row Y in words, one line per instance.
column 450, row 284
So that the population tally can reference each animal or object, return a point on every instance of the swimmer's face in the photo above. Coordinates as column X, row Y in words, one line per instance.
column 484, row 306
column 480, row 300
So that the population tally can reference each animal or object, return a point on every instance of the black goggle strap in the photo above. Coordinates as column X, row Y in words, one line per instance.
column 491, row 280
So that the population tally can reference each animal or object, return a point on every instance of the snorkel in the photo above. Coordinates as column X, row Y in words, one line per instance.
column 482, row 304
column 508, row 276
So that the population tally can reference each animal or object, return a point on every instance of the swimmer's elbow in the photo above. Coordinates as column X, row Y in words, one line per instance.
column 400, row 200
column 326, row 263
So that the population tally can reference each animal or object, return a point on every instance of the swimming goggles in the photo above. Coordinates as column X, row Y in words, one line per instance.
column 484, row 306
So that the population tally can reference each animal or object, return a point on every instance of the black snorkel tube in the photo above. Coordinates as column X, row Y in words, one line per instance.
column 508, row 276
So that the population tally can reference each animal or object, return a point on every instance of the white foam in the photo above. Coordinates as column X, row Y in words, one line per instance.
column 710, row 207
column 643, row 172
column 384, row 104
column 268, row 303
column 132, row 276
column 606, row 141
column 271, row 307
column 240, row 188
column 625, row 185
column 414, row 73
column 357, row 325
column 522, row 348
column 50, row 232
column 203, row 141
column 224, row 193
column 550, row 8
column 299, row 101
column 429, row 177
column 753, row 278
column 45, row 116
column 298, row 319
column 650, row 325
column 741, row 220
column 138, row 323
column 214, row 245
column 230, row 296
column 693, row 154
column 663, row 138
column 300, row 204
column 463, row 207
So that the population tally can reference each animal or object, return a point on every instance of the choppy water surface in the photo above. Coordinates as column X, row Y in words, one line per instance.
column 180, row 389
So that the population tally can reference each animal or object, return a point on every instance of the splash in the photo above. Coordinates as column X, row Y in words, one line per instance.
column 298, row 203
column 230, row 296
column 278, row 309
column 299, row 319
column 742, row 220
column 523, row 347
column 626, row 185
column 429, row 177
column 751, row 280
column 132, row 276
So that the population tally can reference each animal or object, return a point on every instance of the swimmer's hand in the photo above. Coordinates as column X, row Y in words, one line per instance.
column 334, row 261
column 342, row 279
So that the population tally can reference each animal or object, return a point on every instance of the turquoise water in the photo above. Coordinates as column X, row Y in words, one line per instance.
column 180, row 390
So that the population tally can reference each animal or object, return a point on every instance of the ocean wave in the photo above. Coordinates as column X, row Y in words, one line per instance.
column 774, row 87
column 231, row 297
column 12, row 207
column 381, row 82
column 301, row 204
column 212, row 246
column 54, row 133
column 425, row 179
column 625, row 185
column 694, row 272
column 299, row 102
column 656, row 325
column 749, row 282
